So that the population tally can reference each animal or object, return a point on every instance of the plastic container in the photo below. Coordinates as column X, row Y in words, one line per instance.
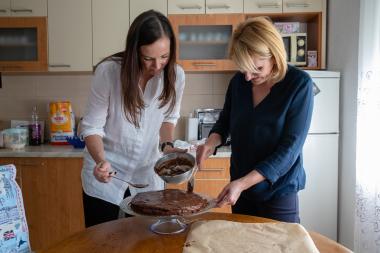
column 76, row 142
column 15, row 138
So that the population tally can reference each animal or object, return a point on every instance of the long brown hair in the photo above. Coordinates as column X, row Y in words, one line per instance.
column 147, row 28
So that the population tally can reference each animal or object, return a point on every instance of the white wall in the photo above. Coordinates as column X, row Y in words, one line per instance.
column 342, row 51
column 20, row 92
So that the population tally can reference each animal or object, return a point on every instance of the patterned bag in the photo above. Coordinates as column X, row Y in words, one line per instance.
column 14, row 235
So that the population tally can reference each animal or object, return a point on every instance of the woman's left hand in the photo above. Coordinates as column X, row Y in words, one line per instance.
column 168, row 149
column 230, row 193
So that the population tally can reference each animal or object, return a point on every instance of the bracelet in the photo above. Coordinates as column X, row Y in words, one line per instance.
column 164, row 144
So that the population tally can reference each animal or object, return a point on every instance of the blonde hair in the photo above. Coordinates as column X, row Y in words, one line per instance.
column 258, row 36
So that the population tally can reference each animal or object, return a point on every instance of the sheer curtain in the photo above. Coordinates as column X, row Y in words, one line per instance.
column 367, row 222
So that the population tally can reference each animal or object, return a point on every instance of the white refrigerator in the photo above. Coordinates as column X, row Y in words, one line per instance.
column 318, row 202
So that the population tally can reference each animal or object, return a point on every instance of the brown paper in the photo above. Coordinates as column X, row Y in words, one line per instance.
column 227, row 236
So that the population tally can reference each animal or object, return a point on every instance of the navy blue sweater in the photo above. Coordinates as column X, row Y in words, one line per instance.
column 268, row 137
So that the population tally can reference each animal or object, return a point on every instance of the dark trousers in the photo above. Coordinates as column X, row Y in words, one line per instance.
column 97, row 211
column 284, row 208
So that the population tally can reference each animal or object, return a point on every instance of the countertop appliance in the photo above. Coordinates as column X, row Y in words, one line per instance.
column 296, row 47
column 320, row 157
column 206, row 120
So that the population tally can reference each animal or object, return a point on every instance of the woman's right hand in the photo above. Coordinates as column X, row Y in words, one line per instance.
column 203, row 152
column 102, row 172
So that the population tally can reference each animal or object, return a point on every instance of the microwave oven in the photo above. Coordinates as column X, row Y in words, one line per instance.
column 296, row 47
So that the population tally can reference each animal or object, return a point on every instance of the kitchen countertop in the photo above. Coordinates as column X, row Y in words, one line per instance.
column 68, row 151
column 43, row 151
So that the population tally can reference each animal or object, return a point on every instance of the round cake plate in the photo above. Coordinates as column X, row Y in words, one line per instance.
column 170, row 224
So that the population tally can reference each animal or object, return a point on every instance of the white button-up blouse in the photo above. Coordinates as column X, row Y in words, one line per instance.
column 131, row 151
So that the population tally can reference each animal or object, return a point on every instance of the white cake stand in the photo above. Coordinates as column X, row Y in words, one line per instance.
column 170, row 224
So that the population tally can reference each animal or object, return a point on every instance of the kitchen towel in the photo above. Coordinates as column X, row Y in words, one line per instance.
column 227, row 236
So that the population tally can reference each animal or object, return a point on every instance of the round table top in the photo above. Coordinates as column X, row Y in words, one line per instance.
column 133, row 235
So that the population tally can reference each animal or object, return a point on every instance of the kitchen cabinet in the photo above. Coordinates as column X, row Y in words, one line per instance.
column 23, row 44
column 203, row 40
column 204, row 6
column 139, row 6
column 52, row 194
column 213, row 177
column 310, row 23
column 110, row 23
column 24, row 8
column 70, row 35
column 284, row 6
column 311, row 16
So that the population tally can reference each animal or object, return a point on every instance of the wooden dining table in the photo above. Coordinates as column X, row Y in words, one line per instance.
column 133, row 234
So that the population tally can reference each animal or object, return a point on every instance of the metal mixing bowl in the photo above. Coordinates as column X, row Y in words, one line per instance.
column 179, row 178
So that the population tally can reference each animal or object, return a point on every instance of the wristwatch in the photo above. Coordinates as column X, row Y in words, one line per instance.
column 164, row 144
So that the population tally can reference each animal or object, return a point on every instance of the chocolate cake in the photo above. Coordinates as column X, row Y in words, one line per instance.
column 174, row 167
column 167, row 202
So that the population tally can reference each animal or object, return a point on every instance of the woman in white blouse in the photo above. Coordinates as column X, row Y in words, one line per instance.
column 132, row 110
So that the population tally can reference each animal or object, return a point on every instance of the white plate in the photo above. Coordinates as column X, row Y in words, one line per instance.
column 126, row 207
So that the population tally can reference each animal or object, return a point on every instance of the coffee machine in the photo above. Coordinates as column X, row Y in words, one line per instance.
column 206, row 120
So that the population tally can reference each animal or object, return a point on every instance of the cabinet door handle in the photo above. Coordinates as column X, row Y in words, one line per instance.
column 30, row 164
column 269, row 5
column 22, row 10
column 212, row 169
column 60, row 65
column 3, row 10
column 218, row 6
column 198, row 64
column 297, row 5
column 189, row 7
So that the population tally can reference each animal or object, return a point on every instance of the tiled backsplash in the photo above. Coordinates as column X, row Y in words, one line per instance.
column 20, row 92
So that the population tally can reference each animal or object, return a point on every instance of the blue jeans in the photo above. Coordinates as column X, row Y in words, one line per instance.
column 284, row 208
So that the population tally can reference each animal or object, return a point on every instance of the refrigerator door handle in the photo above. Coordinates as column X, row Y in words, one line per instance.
column 316, row 89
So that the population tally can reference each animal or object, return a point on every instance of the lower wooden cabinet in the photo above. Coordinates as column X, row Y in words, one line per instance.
column 210, row 181
column 52, row 193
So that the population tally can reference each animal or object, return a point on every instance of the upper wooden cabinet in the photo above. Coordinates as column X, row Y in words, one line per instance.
column 110, row 23
column 24, row 8
column 310, row 14
column 70, row 35
column 203, row 40
column 283, row 6
column 139, row 6
column 204, row 6
column 23, row 44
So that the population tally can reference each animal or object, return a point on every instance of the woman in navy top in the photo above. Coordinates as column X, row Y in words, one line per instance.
column 267, row 112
